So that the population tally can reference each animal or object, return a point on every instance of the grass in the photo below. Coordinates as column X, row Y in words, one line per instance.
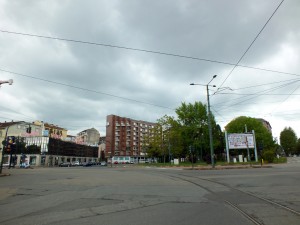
column 218, row 163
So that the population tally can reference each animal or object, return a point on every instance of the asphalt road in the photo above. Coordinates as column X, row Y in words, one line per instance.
column 143, row 195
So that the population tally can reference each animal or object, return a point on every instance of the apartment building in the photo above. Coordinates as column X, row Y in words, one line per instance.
column 266, row 124
column 125, row 136
column 88, row 137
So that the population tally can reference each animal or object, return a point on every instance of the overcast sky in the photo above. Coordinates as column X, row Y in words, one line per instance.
column 75, row 85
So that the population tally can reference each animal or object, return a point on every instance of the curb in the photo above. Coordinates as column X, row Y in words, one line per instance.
column 227, row 167
column 4, row 174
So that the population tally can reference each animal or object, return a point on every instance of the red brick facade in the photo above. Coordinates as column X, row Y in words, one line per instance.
column 124, row 136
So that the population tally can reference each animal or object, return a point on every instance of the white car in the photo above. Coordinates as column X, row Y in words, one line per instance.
column 76, row 163
column 103, row 163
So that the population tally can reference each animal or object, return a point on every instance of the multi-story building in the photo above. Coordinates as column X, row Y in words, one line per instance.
column 51, row 130
column 125, row 136
column 266, row 124
column 88, row 137
column 19, row 129
column 44, row 145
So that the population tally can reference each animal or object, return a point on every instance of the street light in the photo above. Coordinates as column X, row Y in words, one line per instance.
column 10, row 81
column 209, row 120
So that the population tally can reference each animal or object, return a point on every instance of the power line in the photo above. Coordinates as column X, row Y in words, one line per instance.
column 84, row 89
column 260, row 93
column 251, row 43
column 147, row 51
column 254, row 94
column 259, row 85
column 289, row 95
column 257, row 93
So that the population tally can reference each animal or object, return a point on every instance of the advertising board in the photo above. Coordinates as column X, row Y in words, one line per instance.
column 240, row 141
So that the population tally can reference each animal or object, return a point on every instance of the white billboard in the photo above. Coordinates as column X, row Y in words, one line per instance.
column 240, row 141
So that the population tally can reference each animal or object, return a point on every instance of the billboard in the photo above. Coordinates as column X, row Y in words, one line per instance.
column 240, row 141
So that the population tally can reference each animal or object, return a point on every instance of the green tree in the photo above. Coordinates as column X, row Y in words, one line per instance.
column 262, row 135
column 298, row 146
column 152, row 142
column 288, row 140
column 193, row 127
column 189, row 130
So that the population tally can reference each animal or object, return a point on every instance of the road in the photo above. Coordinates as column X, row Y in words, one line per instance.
column 132, row 195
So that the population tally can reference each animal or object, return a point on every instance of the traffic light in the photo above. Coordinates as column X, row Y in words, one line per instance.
column 11, row 141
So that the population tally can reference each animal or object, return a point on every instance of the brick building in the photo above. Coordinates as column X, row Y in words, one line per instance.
column 125, row 136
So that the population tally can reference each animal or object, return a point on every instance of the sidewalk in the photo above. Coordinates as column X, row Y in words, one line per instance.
column 220, row 167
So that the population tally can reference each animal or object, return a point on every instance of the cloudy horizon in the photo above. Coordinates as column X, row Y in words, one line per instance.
column 75, row 62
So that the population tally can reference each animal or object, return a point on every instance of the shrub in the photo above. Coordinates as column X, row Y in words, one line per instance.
column 268, row 155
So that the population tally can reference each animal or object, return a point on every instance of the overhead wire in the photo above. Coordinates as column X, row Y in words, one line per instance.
column 259, row 85
column 260, row 93
column 156, row 52
column 266, row 90
column 83, row 89
column 146, row 51
column 240, row 59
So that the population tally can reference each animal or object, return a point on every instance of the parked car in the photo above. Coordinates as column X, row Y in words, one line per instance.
column 103, row 163
column 65, row 164
column 87, row 164
column 76, row 163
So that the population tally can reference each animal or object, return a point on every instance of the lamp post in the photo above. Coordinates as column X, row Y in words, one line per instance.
column 10, row 81
column 209, row 120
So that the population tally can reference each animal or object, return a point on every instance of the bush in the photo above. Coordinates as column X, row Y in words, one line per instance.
column 268, row 155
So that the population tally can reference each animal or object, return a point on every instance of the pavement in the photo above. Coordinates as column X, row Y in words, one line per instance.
column 145, row 195
column 290, row 160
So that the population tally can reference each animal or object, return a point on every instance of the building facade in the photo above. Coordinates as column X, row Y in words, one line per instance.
column 266, row 124
column 88, row 137
column 18, row 129
column 45, row 145
column 51, row 130
column 125, row 136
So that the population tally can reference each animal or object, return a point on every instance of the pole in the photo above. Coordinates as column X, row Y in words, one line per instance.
column 210, row 130
column 227, row 147
column 255, row 148
column 2, row 155
column 247, row 144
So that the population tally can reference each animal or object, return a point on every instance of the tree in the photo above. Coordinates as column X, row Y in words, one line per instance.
column 298, row 146
column 152, row 142
column 188, row 131
column 263, row 136
column 192, row 127
column 288, row 140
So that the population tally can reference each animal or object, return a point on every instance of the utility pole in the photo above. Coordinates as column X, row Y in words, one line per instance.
column 248, row 153
column 10, row 82
column 210, row 130
column 209, row 121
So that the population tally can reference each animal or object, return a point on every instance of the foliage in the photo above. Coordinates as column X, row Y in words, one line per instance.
column 153, row 142
column 268, row 155
column 298, row 146
column 188, row 131
column 262, row 135
column 288, row 140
